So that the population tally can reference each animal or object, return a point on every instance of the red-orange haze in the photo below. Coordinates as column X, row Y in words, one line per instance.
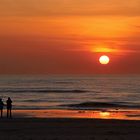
column 68, row 37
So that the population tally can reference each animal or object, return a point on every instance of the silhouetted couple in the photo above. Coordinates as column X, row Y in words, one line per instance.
column 9, row 107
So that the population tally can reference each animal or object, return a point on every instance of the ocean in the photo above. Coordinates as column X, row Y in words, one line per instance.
column 53, row 92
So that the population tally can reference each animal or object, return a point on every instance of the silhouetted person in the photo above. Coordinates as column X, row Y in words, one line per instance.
column 1, row 107
column 9, row 107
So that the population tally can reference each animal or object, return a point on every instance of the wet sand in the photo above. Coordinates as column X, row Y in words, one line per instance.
column 67, row 125
column 89, row 114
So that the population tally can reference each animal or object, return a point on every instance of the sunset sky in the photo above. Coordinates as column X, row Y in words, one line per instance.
column 69, row 36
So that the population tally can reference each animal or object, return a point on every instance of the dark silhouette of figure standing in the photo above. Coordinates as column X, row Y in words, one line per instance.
column 1, row 107
column 9, row 108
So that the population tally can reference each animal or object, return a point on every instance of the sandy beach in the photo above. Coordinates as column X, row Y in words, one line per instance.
column 28, row 125
column 68, row 129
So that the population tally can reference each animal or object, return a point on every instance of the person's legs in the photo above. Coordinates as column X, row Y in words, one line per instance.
column 1, row 112
column 10, row 112
column 7, row 113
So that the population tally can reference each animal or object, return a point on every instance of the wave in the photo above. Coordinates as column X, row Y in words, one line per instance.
column 101, row 105
column 43, row 91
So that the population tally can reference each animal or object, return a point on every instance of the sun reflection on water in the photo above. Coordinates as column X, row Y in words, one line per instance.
column 96, row 114
column 104, row 114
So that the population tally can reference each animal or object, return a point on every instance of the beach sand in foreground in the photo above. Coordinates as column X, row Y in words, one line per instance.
column 70, row 125
column 68, row 129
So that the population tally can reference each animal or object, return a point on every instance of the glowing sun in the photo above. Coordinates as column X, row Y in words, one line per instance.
column 104, row 59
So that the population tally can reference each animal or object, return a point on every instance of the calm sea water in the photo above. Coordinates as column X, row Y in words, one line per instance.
column 39, row 92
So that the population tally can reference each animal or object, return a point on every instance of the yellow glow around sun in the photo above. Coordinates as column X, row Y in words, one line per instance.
column 104, row 59
column 103, row 50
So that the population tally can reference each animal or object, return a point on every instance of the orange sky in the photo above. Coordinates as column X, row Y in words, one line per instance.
column 68, row 37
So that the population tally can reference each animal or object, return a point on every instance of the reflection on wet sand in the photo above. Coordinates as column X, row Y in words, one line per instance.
column 103, row 114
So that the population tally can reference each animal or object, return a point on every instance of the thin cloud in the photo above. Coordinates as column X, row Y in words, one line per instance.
column 69, row 8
